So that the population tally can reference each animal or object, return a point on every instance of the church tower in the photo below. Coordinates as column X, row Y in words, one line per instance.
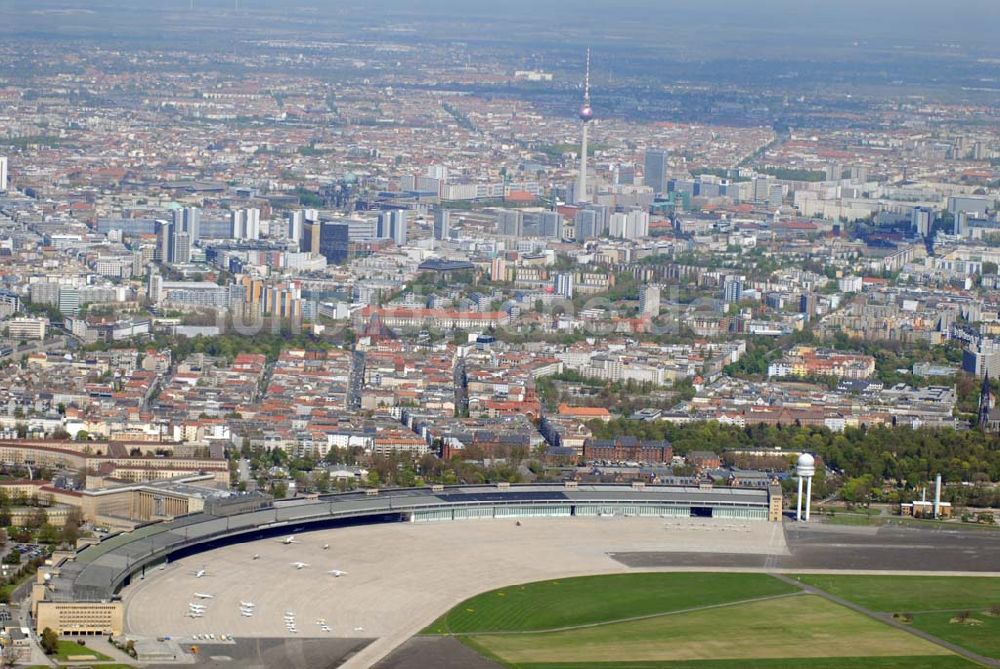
column 986, row 403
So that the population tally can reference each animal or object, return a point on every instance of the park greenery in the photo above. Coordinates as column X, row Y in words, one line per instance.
column 964, row 610
column 593, row 599
column 667, row 619
column 905, row 458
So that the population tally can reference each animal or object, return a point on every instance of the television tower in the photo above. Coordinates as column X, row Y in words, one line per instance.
column 586, row 115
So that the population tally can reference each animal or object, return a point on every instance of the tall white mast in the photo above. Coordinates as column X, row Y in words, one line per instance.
column 586, row 114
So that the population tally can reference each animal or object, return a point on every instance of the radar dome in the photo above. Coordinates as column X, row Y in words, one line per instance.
column 805, row 465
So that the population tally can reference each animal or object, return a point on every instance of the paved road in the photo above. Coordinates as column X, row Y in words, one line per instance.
column 244, row 470
column 816, row 546
column 892, row 622
column 356, row 380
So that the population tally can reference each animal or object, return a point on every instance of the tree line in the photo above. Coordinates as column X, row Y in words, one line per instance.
column 902, row 456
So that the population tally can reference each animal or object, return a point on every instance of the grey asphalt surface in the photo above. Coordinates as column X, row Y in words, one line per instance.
column 818, row 546
column 435, row 652
column 270, row 653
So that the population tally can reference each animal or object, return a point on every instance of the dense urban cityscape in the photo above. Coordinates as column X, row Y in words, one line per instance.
column 268, row 266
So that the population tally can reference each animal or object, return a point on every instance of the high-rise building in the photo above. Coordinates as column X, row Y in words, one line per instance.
column 629, row 225
column 649, row 300
column 775, row 196
column 246, row 223
column 180, row 248
column 333, row 241
column 391, row 225
column 732, row 289
column 550, row 224
column 442, row 223
column 164, row 241
column 922, row 219
column 762, row 187
column 586, row 116
column 961, row 226
column 310, row 236
column 564, row 284
column 69, row 301
column 3, row 174
column 510, row 223
column 586, row 224
column 296, row 222
column 974, row 205
column 807, row 305
column 188, row 219
column 625, row 175
column 498, row 269
column 154, row 289
column 173, row 241
column 655, row 170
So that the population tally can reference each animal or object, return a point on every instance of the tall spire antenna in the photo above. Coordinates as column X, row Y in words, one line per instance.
column 586, row 115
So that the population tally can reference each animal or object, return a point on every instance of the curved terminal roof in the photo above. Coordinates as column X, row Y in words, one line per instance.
column 99, row 570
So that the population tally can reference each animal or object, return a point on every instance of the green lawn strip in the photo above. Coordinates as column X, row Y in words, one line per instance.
column 595, row 599
column 900, row 662
column 805, row 626
column 903, row 594
column 980, row 634
column 70, row 648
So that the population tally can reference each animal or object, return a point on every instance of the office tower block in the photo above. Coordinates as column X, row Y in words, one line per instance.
column 732, row 289
column 649, row 301
column 442, row 223
column 922, row 220
column 510, row 223
column 655, row 170
column 296, row 223
column 586, row 224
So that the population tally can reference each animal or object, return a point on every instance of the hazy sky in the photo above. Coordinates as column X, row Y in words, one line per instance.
column 974, row 24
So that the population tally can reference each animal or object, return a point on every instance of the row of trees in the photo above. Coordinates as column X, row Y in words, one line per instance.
column 901, row 456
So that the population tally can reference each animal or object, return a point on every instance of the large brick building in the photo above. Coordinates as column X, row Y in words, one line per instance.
column 627, row 449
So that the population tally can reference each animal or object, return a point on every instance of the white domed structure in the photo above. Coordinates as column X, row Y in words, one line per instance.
column 586, row 113
column 805, row 469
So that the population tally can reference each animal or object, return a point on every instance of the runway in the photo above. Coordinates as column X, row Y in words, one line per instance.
column 400, row 577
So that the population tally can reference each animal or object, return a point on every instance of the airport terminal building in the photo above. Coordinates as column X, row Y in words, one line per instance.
column 78, row 593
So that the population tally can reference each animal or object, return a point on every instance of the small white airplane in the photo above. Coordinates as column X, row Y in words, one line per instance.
column 289, row 540
column 359, row 629
column 256, row 556
column 300, row 565
column 200, row 573
column 194, row 614
column 289, row 614
column 196, row 607
column 246, row 614
column 326, row 547
column 203, row 595
column 247, row 605
column 337, row 573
